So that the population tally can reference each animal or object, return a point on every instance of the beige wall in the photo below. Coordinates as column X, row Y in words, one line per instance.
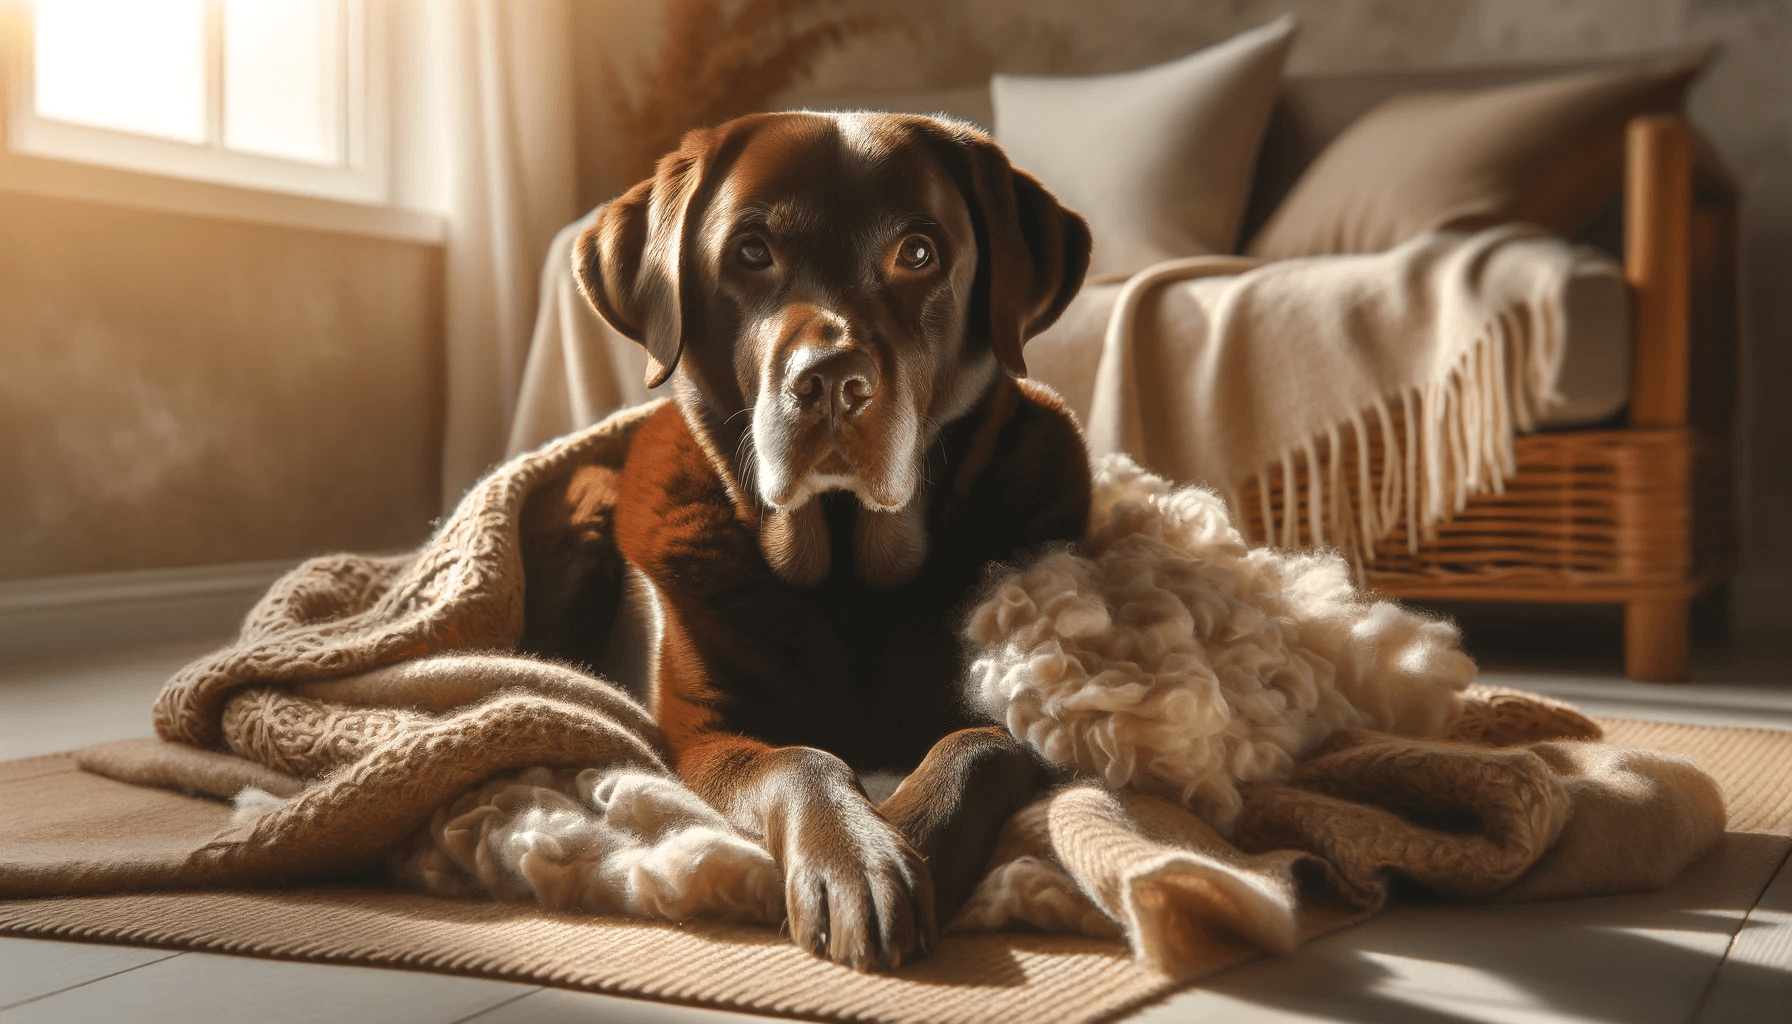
column 182, row 391
column 1744, row 104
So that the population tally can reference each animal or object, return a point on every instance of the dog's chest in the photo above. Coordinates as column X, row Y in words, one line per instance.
column 869, row 674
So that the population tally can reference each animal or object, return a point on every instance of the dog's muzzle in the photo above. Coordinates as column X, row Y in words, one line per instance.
column 829, row 418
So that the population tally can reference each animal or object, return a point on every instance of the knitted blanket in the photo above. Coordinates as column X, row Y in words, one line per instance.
column 373, row 718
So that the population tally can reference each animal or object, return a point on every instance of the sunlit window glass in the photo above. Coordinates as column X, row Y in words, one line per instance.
column 132, row 65
column 283, row 78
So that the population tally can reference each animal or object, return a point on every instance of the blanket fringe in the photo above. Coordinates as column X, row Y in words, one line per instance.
column 1414, row 459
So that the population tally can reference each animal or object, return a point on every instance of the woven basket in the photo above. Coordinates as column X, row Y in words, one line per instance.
column 1590, row 516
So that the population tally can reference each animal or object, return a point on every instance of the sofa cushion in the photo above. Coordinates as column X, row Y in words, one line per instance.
column 1547, row 151
column 1312, row 110
column 1159, row 159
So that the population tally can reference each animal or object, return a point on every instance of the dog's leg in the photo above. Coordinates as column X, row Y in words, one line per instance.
column 855, row 891
column 953, row 806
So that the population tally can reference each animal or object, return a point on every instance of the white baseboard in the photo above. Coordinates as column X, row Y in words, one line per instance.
column 104, row 611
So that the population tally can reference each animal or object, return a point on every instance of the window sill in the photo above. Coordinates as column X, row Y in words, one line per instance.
column 60, row 179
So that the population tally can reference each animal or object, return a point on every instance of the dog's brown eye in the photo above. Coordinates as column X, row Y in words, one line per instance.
column 754, row 254
column 915, row 253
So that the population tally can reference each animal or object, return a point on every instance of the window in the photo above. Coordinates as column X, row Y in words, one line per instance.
column 275, row 95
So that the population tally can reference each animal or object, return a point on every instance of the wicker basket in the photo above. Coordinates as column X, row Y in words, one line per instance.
column 1590, row 516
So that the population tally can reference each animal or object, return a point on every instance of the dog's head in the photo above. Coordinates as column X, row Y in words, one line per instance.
column 827, row 290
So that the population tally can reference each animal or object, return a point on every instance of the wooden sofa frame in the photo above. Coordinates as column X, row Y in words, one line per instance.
column 1639, row 515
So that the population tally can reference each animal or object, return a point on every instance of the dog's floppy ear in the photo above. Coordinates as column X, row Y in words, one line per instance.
column 633, row 264
column 1035, row 252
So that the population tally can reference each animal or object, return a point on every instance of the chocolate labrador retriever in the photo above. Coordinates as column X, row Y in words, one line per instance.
column 834, row 298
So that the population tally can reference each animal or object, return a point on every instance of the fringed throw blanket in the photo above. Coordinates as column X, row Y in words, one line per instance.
column 1386, row 387
column 1264, row 749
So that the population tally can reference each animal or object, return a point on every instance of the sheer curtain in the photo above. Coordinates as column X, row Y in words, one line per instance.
column 503, row 74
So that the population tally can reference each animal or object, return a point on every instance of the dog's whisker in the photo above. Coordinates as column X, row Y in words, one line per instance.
column 939, row 439
column 743, row 457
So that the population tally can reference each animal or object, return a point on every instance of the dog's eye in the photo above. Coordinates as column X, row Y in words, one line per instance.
column 754, row 253
column 915, row 253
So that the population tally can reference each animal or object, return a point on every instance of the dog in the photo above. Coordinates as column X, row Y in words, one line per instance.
column 839, row 301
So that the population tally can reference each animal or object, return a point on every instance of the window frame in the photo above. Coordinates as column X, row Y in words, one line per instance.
column 65, row 160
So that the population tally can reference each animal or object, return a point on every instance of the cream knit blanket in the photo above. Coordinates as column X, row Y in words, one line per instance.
column 1388, row 386
column 373, row 717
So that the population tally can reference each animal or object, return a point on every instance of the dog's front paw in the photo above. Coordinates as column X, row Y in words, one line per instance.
column 855, row 891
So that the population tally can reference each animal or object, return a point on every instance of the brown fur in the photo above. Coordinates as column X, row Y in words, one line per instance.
column 834, row 297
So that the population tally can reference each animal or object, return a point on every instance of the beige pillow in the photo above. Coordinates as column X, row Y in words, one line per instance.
column 1548, row 152
column 1159, row 160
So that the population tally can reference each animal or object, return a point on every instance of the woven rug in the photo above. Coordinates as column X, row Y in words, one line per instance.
column 50, row 804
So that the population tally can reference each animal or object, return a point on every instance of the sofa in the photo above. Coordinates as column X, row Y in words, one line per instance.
column 1638, row 509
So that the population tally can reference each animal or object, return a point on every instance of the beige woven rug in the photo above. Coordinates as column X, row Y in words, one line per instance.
column 971, row 977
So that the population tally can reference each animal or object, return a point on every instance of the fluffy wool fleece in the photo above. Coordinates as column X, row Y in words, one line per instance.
column 600, row 840
column 603, row 841
column 1169, row 657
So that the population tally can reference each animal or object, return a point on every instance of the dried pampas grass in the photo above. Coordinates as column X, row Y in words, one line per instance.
column 721, row 59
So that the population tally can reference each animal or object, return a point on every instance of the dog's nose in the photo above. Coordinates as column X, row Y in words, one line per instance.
column 838, row 382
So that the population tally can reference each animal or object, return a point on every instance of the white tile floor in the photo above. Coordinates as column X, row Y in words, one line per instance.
column 1696, row 952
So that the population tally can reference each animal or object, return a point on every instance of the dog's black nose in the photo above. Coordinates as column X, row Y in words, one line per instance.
column 834, row 381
